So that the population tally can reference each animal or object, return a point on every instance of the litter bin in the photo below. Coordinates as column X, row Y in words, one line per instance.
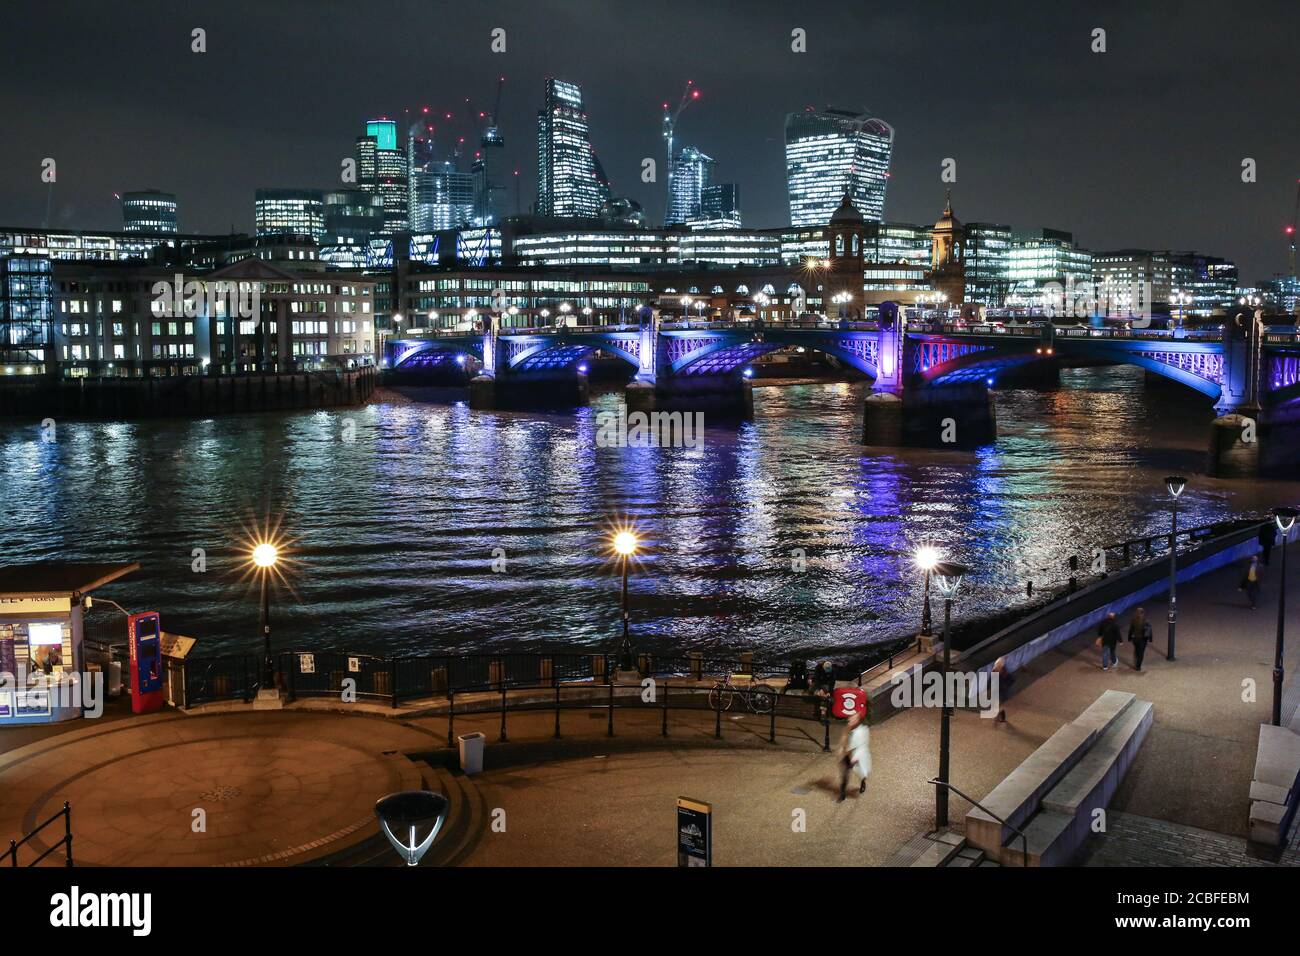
column 471, row 752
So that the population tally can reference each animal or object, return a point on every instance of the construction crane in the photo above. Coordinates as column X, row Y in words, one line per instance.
column 1290, row 230
column 689, row 95
column 492, row 132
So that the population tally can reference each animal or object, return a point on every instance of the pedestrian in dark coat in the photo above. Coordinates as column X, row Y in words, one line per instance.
column 1267, row 537
column 1139, row 635
column 1250, row 581
column 1108, row 638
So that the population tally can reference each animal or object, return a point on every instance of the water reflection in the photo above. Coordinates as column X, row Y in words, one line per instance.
column 432, row 525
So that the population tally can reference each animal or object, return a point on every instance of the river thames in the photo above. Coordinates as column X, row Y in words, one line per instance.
column 421, row 526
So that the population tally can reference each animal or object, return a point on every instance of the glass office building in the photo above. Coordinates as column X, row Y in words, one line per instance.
column 691, row 174
column 831, row 153
column 719, row 207
column 568, row 181
column 294, row 212
column 899, row 242
column 26, row 313
column 1046, row 255
column 382, row 169
column 988, row 253
column 442, row 197
column 149, row 211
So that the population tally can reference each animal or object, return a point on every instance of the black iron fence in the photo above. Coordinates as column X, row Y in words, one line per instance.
column 64, row 841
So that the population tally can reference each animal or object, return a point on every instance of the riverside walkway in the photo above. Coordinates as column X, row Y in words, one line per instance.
column 297, row 785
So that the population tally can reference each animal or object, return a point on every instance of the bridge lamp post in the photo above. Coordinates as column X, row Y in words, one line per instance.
column 1285, row 518
column 948, row 576
column 1175, row 484
column 586, row 315
column 264, row 556
column 565, row 308
column 927, row 558
column 625, row 545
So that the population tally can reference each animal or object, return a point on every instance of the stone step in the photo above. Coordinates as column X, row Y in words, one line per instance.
column 1018, row 796
column 1093, row 780
column 938, row 853
column 1043, row 835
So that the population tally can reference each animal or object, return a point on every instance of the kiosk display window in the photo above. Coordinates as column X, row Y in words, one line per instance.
column 39, row 650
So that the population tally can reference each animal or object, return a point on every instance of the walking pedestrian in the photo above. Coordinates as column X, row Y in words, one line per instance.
column 1250, row 582
column 855, row 752
column 1267, row 537
column 1108, row 641
column 1139, row 635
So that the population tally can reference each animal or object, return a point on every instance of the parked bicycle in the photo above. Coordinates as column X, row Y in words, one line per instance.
column 758, row 697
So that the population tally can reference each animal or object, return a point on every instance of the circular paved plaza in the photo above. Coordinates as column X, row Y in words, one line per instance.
column 234, row 789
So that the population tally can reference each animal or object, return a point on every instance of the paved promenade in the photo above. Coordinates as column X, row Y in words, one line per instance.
column 298, row 785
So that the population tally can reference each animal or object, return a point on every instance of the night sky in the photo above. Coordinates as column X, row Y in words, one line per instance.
column 1140, row 146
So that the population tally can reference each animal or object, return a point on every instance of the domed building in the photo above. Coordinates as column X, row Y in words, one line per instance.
column 845, row 239
column 947, row 251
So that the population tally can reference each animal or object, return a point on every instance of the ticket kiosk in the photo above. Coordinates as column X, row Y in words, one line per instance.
column 43, row 668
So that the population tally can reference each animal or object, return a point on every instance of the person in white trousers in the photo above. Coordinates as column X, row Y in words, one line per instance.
column 855, row 752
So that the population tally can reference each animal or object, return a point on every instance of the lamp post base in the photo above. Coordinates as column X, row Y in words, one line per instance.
column 268, row 698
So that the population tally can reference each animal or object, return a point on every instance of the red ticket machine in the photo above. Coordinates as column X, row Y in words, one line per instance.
column 144, row 634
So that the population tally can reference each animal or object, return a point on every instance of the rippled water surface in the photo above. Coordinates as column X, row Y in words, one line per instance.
column 395, row 530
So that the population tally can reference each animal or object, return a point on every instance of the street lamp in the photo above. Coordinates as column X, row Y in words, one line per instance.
column 927, row 557
column 264, row 557
column 625, row 545
column 1285, row 518
column 1175, row 485
column 948, row 576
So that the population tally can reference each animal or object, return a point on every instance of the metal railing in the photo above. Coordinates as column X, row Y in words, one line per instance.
column 1024, row 840
column 665, row 697
column 64, row 841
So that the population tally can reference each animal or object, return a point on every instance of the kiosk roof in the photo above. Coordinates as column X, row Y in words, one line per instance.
column 61, row 577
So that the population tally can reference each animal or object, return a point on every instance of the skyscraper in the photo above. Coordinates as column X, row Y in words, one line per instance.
column 568, row 181
column 692, row 174
column 382, row 169
column 719, row 207
column 832, row 153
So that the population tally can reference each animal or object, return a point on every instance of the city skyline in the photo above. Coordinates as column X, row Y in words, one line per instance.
column 1114, row 184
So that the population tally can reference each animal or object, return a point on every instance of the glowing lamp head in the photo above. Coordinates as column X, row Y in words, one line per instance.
column 1285, row 518
column 948, row 576
column 1175, row 484
column 625, row 543
column 265, row 555
column 927, row 557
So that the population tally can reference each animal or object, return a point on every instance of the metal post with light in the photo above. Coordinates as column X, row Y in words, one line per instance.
column 948, row 576
column 926, row 559
column 1285, row 518
column 264, row 557
column 1175, row 484
column 625, row 545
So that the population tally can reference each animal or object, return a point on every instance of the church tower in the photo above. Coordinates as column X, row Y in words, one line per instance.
column 845, row 240
column 947, row 255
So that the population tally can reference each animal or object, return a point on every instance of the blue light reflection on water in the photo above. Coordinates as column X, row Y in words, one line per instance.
column 397, row 510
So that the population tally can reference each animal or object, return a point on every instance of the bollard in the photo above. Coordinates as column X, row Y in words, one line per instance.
column 451, row 718
column 67, row 828
column 664, row 732
column 392, row 677
column 771, row 716
column 717, row 719
column 557, row 711
column 826, row 720
column 610, row 732
column 503, row 714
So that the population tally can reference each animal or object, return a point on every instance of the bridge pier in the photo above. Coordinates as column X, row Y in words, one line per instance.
column 722, row 396
column 951, row 416
column 561, row 389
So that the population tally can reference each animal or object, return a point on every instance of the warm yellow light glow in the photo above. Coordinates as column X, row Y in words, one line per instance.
column 265, row 555
column 625, row 543
column 927, row 557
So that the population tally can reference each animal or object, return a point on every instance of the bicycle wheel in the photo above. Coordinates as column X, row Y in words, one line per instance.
column 762, row 697
column 720, row 697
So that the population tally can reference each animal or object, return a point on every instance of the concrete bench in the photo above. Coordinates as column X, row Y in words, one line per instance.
column 1053, row 794
column 1275, row 789
column 1018, row 797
